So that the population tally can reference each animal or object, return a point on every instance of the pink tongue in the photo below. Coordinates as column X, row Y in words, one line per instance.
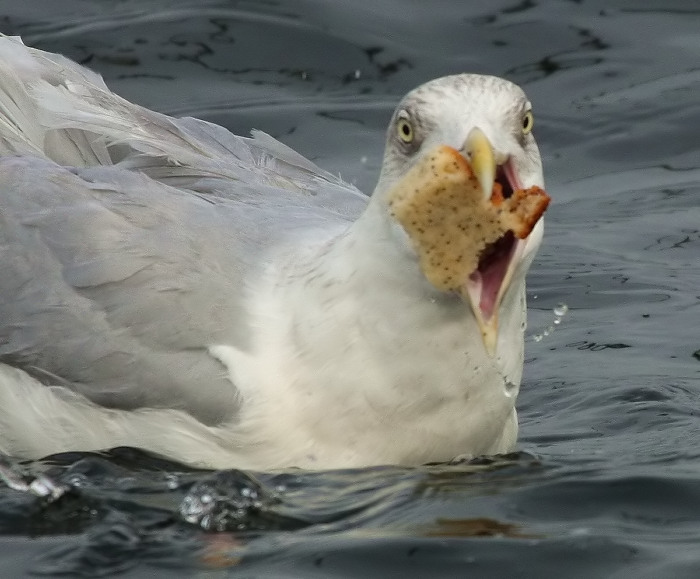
column 492, row 269
column 491, row 279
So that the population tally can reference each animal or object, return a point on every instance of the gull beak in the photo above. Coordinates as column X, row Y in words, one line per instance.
column 485, row 292
column 486, row 286
column 480, row 154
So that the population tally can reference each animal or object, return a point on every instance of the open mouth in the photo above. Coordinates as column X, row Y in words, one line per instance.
column 495, row 259
column 488, row 283
column 491, row 272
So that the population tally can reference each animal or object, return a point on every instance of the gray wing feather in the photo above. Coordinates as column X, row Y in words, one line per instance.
column 121, row 302
column 119, row 284
column 56, row 109
column 127, row 237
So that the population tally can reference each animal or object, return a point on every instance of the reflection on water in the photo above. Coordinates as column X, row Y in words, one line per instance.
column 609, row 402
column 480, row 527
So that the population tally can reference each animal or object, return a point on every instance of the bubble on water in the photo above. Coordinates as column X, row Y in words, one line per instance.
column 172, row 481
column 229, row 500
column 77, row 480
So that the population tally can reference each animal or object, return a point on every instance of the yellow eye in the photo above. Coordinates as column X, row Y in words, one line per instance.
column 528, row 122
column 404, row 128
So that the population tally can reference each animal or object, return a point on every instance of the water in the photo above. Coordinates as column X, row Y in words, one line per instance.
column 607, row 483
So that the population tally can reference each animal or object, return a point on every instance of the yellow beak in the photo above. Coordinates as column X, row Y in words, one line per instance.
column 482, row 160
column 483, row 163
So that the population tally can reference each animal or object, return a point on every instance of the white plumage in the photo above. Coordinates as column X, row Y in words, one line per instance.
column 223, row 301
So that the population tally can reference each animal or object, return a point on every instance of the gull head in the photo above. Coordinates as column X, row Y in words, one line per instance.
column 462, row 185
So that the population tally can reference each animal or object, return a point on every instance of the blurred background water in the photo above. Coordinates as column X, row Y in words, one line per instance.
column 607, row 483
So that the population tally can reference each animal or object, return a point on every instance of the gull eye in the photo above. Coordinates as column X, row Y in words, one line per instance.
column 528, row 122
column 404, row 129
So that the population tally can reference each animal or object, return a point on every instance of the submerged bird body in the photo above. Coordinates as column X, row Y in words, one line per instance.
column 222, row 301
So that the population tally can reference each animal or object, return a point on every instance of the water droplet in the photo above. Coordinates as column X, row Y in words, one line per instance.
column 77, row 480
column 560, row 309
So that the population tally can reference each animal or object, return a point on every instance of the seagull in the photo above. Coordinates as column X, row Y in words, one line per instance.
column 224, row 302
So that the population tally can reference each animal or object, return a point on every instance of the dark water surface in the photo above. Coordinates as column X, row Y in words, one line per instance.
column 608, row 480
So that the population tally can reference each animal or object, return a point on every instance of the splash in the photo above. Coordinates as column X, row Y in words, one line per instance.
column 559, row 311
